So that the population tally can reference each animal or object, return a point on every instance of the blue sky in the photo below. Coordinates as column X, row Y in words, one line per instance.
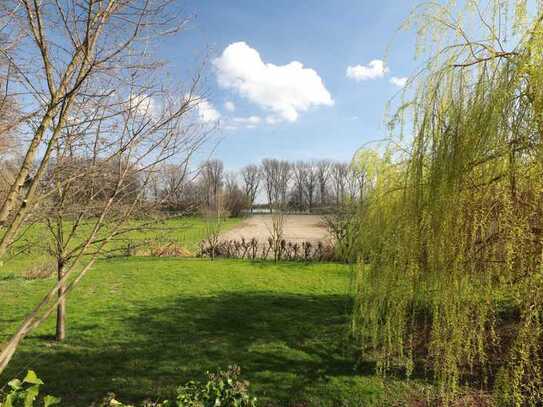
column 326, row 119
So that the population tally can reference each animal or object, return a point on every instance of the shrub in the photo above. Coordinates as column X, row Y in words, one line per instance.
column 270, row 249
column 344, row 228
column 25, row 393
column 223, row 388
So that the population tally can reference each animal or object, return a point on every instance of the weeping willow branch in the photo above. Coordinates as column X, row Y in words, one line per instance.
column 451, row 239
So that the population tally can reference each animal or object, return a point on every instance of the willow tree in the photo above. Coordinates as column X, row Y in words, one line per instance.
column 453, row 224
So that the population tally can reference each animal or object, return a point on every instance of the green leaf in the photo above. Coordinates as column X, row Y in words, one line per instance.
column 8, row 402
column 50, row 401
column 30, row 395
column 15, row 384
column 32, row 378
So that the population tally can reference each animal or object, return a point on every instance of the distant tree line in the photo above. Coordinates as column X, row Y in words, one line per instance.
column 300, row 186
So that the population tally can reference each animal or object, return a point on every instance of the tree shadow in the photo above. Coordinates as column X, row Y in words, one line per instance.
column 283, row 343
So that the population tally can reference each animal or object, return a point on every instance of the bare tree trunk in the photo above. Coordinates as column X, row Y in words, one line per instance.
column 38, row 315
column 61, row 307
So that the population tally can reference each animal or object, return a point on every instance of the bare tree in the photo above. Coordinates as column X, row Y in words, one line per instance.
column 235, row 200
column 8, row 161
column 276, row 232
column 230, row 181
column 171, row 190
column 11, row 116
column 323, row 174
column 339, row 174
column 299, row 170
column 251, row 183
column 276, row 175
column 269, row 170
column 282, row 182
column 89, row 101
column 310, row 184
column 76, row 54
column 355, row 183
column 10, row 119
column 73, row 204
column 212, row 173
column 8, row 137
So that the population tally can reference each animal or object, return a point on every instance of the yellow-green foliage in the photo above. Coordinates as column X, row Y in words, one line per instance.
column 451, row 280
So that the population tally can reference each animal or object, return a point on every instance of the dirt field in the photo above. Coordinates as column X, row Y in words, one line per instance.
column 296, row 228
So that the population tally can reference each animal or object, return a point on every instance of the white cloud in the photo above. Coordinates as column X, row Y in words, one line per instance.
column 374, row 70
column 143, row 105
column 398, row 81
column 271, row 119
column 249, row 122
column 230, row 106
column 287, row 90
column 206, row 112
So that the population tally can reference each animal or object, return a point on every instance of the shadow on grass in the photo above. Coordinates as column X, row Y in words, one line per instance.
column 285, row 345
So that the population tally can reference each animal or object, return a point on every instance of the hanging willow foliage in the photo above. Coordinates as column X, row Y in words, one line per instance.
column 451, row 277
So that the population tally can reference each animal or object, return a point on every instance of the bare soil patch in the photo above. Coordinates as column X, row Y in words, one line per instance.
column 297, row 228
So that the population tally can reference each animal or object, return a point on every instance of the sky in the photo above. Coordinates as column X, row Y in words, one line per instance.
column 296, row 80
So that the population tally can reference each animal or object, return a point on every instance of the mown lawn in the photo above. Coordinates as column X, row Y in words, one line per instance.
column 141, row 326
column 34, row 247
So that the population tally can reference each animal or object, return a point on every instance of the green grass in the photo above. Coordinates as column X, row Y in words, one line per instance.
column 141, row 326
column 184, row 231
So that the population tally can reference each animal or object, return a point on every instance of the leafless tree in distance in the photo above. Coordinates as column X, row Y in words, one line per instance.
column 323, row 174
column 212, row 173
column 251, row 183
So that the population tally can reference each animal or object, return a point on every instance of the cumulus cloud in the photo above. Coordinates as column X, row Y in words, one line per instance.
column 374, row 70
column 286, row 90
column 230, row 106
column 206, row 112
column 398, row 81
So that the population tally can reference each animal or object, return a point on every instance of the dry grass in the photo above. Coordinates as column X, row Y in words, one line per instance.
column 40, row 271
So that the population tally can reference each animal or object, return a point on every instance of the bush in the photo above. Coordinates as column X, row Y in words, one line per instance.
column 26, row 393
column 235, row 202
column 223, row 388
column 278, row 250
column 344, row 228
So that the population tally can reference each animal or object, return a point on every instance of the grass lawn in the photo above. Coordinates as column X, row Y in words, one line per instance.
column 141, row 326
column 184, row 231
